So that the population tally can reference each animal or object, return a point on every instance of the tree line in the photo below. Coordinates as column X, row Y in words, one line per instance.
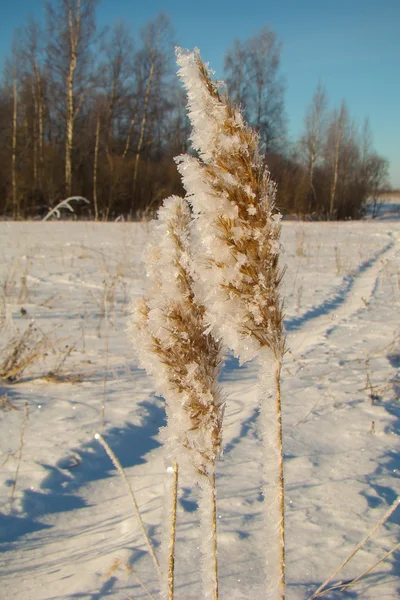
column 101, row 114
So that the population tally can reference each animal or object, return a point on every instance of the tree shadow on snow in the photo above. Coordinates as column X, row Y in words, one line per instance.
column 383, row 496
column 60, row 488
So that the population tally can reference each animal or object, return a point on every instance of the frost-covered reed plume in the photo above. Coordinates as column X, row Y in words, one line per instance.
column 167, row 328
column 237, row 233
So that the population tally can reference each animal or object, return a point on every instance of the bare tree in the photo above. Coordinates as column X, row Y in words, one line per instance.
column 152, row 66
column 71, row 33
column 252, row 75
column 95, row 164
column 116, row 82
column 116, row 78
column 333, row 149
column 374, row 170
column 12, row 76
column 16, row 208
column 235, row 67
column 32, row 55
column 311, row 142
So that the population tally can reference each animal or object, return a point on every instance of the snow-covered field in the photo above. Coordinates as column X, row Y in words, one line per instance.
column 67, row 528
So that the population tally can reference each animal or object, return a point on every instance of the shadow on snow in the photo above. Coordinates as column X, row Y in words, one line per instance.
column 338, row 297
column 60, row 488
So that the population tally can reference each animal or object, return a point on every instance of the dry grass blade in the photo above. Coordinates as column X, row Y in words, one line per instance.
column 119, row 468
column 385, row 517
column 22, row 352
column 20, row 449
column 343, row 586
column 370, row 569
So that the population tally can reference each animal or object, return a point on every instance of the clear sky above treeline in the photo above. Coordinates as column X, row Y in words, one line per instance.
column 351, row 46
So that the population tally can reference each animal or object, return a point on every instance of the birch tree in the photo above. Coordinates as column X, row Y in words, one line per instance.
column 151, row 68
column 311, row 142
column 116, row 82
column 116, row 79
column 71, row 33
column 236, row 63
column 253, row 79
column 32, row 54
column 12, row 76
column 333, row 149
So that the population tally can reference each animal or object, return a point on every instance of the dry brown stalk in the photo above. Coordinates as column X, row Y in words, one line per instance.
column 22, row 351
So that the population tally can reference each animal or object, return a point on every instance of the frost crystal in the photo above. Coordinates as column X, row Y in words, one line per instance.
column 167, row 329
column 237, row 226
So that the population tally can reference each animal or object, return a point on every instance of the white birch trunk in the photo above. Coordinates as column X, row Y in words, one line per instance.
column 336, row 164
column 35, row 140
column 14, row 150
column 96, row 156
column 39, row 116
column 128, row 138
column 69, row 138
column 143, row 126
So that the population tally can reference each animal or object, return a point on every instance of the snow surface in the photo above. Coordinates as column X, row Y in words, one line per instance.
column 70, row 530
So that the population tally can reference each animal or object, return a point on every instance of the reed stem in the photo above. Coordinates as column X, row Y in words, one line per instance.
column 281, row 479
column 171, row 563
column 214, row 534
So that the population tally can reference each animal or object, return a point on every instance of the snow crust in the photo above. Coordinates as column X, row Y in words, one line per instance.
column 71, row 520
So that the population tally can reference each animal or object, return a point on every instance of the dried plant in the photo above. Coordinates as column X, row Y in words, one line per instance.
column 59, row 374
column 6, row 404
column 215, row 279
column 121, row 471
column 64, row 204
column 167, row 329
column 21, row 352
column 323, row 587
column 120, row 563
column 237, row 233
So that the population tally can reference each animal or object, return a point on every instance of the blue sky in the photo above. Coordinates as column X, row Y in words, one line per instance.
column 351, row 46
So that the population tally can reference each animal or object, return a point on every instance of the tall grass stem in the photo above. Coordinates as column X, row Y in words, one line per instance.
column 171, row 562
column 278, row 369
column 214, row 533
column 118, row 466
column 385, row 517
column 20, row 449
